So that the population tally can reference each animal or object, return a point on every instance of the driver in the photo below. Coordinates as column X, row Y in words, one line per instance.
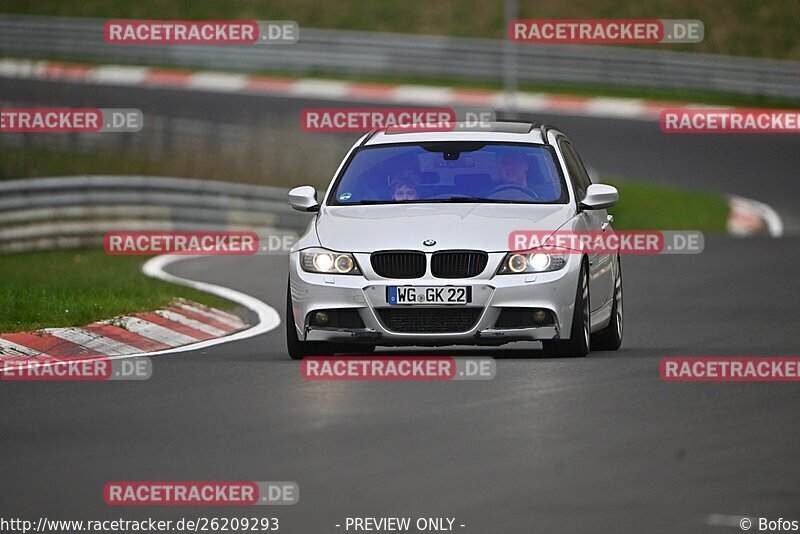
column 513, row 169
column 405, row 186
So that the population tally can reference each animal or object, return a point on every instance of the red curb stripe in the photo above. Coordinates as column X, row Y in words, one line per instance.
column 202, row 318
column 68, row 71
column 381, row 91
column 268, row 84
column 126, row 336
column 173, row 78
column 474, row 96
column 567, row 102
column 172, row 325
column 50, row 345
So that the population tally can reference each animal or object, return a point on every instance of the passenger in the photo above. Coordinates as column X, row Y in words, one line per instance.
column 405, row 186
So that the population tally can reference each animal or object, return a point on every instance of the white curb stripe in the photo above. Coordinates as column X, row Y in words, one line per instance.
column 13, row 68
column 93, row 341
column 531, row 101
column 154, row 331
column 422, row 94
column 9, row 348
column 191, row 323
column 238, row 323
column 117, row 75
column 328, row 89
column 615, row 107
column 217, row 81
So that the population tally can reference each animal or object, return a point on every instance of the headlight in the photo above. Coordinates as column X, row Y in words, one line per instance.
column 515, row 263
column 320, row 260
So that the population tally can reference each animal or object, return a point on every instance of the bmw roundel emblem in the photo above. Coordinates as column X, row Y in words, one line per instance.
column 429, row 242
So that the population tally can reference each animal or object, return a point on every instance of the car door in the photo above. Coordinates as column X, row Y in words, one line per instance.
column 601, row 274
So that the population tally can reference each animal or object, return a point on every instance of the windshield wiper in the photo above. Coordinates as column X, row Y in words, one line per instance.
column 434, row 201
column 477, row 199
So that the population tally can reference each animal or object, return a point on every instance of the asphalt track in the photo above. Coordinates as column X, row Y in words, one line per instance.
column 593, row 445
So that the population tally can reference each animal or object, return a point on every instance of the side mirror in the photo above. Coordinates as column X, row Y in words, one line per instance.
column 600, row 196
column 304, row 198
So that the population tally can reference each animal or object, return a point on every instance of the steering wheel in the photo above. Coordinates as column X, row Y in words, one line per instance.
column 505, row 187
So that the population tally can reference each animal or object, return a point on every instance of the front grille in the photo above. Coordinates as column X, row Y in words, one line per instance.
column 398, row 264
column 429, row 320
column 458, row 263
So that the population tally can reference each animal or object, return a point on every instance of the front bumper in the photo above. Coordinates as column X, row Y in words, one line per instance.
column 553, row 291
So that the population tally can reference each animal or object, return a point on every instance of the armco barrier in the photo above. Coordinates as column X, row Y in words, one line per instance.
column 373, row 53
column 77, row 211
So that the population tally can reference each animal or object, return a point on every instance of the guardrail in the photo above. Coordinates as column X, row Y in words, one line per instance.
column 77, row 211
column 387, row 54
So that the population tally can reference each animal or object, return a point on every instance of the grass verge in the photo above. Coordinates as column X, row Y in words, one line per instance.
column 77, row 287
column 35, row 162
column 647, row 206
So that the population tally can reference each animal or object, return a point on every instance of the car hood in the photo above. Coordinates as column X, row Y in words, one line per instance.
column 452, row 226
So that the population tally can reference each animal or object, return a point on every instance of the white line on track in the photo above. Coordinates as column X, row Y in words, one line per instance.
column 268, row 317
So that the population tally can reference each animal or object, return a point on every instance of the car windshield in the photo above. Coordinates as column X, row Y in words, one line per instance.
column 451, row 172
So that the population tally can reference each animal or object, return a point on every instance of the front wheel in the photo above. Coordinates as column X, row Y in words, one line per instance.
column 610, row 337
column 580, row 333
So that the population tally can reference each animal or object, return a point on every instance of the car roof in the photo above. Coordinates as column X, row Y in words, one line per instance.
column 505, row 131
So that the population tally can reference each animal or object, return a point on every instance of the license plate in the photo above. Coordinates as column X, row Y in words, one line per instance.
column 428, row 294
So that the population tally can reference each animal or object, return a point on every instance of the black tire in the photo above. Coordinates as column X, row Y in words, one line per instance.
column 610, row 337
column 578, row 344
column 300, row 349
